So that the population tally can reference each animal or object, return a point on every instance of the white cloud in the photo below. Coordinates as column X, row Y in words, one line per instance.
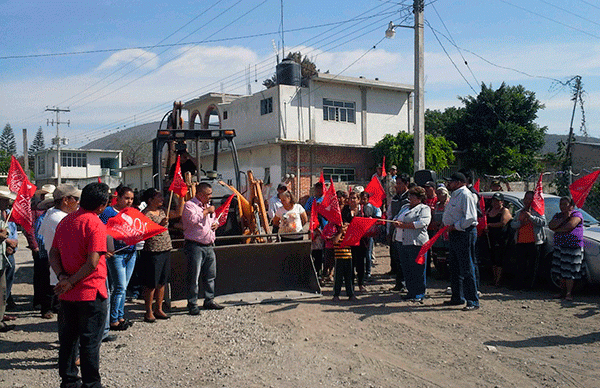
column 133, row 58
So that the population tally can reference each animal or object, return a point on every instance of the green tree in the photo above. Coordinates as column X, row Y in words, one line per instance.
column 37, row 145
column 495, row 130
column 399, row 150
column 7, row 140
column 438, row 123
column 307, row 68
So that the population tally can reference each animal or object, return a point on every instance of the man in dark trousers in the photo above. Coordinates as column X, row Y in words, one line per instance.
column 78, row 257
column 399, row 200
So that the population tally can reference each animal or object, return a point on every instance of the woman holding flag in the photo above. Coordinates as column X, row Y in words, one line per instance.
column 155, row 258
column 411, row 233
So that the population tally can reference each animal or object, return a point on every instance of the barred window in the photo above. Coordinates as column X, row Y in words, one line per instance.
column 339, row 174
column 339, row 111
column 73, row 159
column 266, row 106
column 41, row 165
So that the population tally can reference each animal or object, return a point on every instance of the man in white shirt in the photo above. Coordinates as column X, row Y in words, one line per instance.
column 461, row 216
column 275, row 202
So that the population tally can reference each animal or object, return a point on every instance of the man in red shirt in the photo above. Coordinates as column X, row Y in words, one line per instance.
column 78, row 257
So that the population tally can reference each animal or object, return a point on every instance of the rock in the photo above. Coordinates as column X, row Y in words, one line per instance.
column 491, row 348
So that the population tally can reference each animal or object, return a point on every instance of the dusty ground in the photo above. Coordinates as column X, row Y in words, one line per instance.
column 517, row 339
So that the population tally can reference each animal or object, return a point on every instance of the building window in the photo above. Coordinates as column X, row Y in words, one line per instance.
column 73, row 159
column 41, row 165
column 339, row 111
column 225, row 115
column 339, row 174
column 266, row 106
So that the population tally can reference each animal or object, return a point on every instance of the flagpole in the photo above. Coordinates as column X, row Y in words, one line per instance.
column 169, row 207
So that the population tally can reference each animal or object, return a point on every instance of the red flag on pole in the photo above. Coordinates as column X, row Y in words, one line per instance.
column 358, row 228
column 222, row 211
column 377, row 192
column 322, row 179
column 99, row 180
column 19, row 184
column 538, row 197
column 131, row 226
column 178, row 185
column 481, row 221
column 383, row 173
column 581, row 188
column 427, row 246
column 330, row 207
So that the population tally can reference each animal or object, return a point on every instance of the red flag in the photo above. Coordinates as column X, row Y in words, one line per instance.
column 358, row 228
column 538, row 197
column 481, row 221
column 113, row 201
column 377, row 192
column 222, row 211
column 131, row 226
column 383, row 168
column 178, row 185
column 330, row 207
column 427, row 246
column 581, row 188
column 99, row 180
column 19, row 184
column 322, row 179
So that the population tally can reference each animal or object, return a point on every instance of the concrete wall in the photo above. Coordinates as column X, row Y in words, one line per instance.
column 586, row 157
column 138, row 178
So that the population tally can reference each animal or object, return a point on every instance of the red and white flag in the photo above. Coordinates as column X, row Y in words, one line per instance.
column 330, row 207
column 19, row 184
column 178, row 185
column 322, row 179
column 427, row 246
column 359, row 228
column 582, row 187
column 131, row 226
column 538, row 197
column 377, row 192
column 222, row 211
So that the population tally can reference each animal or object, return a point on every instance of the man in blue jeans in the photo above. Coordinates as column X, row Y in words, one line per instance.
column 461, row 217
column 199, row 227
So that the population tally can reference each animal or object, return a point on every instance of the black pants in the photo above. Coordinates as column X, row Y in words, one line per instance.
column 81, row 323
column 358, row 263
column 343, row 274
column 317, row 255
column 42, row 290
column 526, row 265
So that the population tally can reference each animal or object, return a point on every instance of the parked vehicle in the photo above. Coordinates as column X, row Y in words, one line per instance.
column 514, row 201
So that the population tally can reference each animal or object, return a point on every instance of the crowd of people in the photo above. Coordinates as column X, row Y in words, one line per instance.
column 83, row 274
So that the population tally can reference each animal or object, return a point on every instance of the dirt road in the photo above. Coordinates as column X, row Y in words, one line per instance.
column 517, row 339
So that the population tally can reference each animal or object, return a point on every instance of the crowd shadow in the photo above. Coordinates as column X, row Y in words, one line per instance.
column 29, row 363
column 549, row 341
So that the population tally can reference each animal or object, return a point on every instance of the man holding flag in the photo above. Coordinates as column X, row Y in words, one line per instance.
column 199, row 225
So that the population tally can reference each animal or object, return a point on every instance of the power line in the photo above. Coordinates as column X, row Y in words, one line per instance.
column 570, row 12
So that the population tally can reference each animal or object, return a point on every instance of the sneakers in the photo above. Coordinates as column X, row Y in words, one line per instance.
column 4, row 328
column 109, row 338
column 470, row 308
column 212, row 305
column 193, row 309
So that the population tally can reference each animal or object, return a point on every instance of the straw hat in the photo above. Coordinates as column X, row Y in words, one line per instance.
column 6, row 193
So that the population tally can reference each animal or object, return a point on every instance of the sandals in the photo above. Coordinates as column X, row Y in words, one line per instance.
column 122, row 325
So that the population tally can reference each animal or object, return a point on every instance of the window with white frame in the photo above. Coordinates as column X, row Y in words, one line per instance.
column 266, row 106
column 73, row 159
column 339, row 174
column 41, row 165
column 339, row 111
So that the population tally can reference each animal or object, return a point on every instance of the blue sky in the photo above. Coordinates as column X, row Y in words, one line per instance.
column 210, row 46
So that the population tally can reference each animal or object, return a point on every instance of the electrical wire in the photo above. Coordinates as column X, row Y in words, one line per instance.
column 569, row 12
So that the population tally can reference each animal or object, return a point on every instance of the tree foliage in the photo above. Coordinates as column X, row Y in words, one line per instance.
column 494, row 131
column 7, row 140
column 399, row 150
column 37, row 145
column 307, row 68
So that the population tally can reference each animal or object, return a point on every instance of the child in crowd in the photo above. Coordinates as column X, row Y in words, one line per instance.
column 343, row 265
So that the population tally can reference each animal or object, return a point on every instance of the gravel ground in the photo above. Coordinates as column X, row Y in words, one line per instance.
column 517, row 339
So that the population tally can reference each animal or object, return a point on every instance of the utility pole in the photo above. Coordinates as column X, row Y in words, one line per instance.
column 577, row 90
column 25, row 152
column 419, row 135
column 57, row 140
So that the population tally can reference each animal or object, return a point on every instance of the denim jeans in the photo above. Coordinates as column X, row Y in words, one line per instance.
column 201, row 261
column 80, row 323
column 369, row 256
column 462, row 272
column 120, row 268
column 474, row 256
column 10, row 274
column 414, row 273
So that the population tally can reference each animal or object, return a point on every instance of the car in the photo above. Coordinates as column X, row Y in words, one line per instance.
column 591, row 235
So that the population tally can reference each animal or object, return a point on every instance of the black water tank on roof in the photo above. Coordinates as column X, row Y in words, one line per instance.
column 289, row 72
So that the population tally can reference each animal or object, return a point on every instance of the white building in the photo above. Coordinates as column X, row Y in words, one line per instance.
column 78, row 166
column 331, row 125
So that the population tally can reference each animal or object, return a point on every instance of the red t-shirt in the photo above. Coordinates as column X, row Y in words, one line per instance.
column 77, row 235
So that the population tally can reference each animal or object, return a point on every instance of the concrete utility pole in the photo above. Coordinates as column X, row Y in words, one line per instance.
column 25, row 152
column 57, row 139
column 419, row 135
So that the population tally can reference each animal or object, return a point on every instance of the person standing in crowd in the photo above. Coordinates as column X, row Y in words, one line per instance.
column 10, row 247
column 498, row 217
column 78, row 257
column 349, row 211
column 155, row 259
column 290, row 217
column 480, row 216
column 398, row 201
column 275, row 202
column 411, row 224
column 317, row 239
column 121, row 263
column 199, row 227
column 343, row 264
column 567, row 261
column 461, row 217
column 529, row 237
column 370, row 211
column 4, row 327
column 64, row 200
column 432, row 198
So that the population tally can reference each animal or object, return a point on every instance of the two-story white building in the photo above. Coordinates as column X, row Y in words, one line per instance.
column 331, row 126
column 78, row 166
